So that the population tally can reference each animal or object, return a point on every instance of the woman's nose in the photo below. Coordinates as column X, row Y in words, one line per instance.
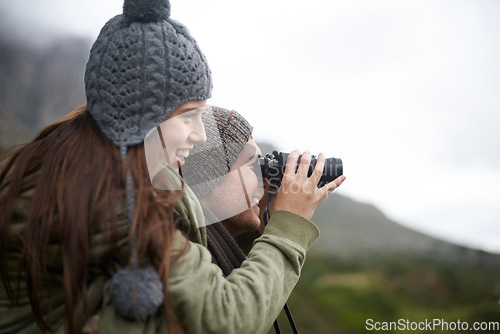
column 198, row 134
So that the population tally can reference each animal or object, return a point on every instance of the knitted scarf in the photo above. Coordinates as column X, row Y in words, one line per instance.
column 225, row 251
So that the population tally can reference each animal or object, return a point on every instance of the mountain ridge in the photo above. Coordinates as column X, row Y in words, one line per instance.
column 355, row 229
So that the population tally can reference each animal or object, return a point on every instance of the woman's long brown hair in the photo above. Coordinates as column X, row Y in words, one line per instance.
column 75, row 179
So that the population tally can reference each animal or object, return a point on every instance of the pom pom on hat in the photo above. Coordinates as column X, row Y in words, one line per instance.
column 136, row 292
column 146, row 10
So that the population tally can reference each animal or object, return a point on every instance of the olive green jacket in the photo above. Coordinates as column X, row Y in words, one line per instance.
column 246, row 301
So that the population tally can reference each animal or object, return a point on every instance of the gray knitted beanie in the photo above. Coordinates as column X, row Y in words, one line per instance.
column 142, row 66
column 227, row 134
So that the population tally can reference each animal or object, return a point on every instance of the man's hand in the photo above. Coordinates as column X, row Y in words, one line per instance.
column 299, row 193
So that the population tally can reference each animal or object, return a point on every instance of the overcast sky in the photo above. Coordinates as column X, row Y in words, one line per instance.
column 407, row 93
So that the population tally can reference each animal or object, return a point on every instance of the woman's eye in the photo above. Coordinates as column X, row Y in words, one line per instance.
column 188, row 118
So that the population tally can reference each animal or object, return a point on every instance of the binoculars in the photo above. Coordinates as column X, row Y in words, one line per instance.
column 273, row 165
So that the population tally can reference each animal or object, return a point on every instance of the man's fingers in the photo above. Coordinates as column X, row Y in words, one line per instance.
column 291, row 163
column 318, row 169
column 305, row 161
column 329, row 187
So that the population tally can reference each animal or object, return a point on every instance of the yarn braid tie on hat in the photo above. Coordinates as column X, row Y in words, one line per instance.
column 141, row 67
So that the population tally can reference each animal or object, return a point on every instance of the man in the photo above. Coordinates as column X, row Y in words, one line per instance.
column 223, row 174
column 243, row 168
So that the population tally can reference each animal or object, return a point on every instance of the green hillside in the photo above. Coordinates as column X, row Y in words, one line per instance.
column 340, row 295
column 365, row 266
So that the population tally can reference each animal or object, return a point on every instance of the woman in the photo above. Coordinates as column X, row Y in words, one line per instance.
column 84, row 235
